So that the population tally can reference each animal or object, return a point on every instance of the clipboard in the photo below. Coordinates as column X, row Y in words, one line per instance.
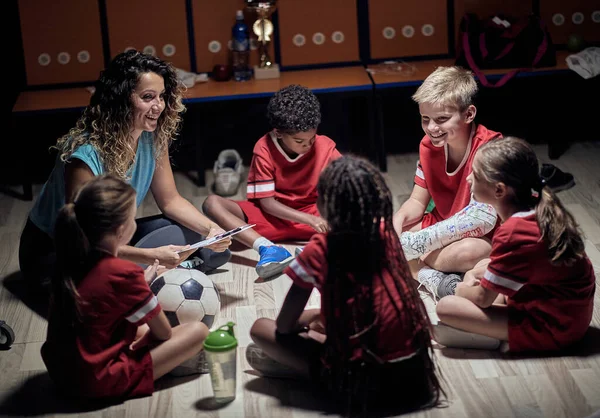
column 218, row 238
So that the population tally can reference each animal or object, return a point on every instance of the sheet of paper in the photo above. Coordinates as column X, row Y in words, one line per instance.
column 218, row 238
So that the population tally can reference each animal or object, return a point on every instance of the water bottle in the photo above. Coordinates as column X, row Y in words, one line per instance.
column 240, row 49
column 221, row 353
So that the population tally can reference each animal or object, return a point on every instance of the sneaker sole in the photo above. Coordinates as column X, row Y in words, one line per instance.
column 266, row 271
column 563, row 186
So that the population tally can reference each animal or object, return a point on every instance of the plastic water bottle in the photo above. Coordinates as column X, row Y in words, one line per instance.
column 240, row 49
column 221, row 352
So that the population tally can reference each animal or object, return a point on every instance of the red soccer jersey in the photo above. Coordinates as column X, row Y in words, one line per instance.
column 450, row 191
column 549, row 306
column 395, row 336
column 292, row 182
column 94, row 360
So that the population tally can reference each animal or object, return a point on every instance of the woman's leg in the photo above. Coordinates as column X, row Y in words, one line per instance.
column 463, row 314
column 186, row 341
column 37, row 258
column 296, row 351
column 181, row 236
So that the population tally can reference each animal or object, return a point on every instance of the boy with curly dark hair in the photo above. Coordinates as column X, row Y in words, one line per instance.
column 282, row 181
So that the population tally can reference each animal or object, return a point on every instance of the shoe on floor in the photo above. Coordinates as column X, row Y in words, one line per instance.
column 438, row 283
column 556, row 179
column 455, row 338
column 268, row 367
column 195, row 365
column 228, row 172
column 273, row 260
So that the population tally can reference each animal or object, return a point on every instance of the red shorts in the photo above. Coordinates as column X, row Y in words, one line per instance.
column 276, row 229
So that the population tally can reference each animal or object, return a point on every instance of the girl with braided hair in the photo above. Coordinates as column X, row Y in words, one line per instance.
column 536, row 290
column 372, row 326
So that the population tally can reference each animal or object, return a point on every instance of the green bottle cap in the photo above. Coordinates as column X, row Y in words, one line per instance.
column 222, row 339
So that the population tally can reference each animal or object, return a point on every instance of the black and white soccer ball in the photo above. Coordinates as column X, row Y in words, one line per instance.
column 187, row 295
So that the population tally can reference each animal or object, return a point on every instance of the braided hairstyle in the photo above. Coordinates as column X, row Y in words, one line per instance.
column 357, row 204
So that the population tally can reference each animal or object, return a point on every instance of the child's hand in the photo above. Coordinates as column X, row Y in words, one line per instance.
column 317, row 223
column 143, row 341
column 220, row 246
column 151, row 272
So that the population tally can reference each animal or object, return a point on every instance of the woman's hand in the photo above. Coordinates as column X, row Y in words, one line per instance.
column 317, row 223
column 151, row 272
column 168, row 255
column 220, row 246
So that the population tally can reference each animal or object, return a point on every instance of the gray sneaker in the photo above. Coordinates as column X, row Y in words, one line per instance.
column 268, row 367
column 438, row 283
column 195, row 365
column 228, row 172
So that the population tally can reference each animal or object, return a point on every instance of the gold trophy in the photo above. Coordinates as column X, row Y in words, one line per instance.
column 263, row 29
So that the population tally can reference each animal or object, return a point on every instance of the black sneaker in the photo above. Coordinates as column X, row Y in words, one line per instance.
column 556, row 179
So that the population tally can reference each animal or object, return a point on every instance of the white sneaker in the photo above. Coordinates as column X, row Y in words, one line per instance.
column 195, row 365
column 228, row 172
column 268, row 367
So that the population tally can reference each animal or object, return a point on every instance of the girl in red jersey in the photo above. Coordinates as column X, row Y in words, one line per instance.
column 536, row 290
column 107, row 335
column 372, row 326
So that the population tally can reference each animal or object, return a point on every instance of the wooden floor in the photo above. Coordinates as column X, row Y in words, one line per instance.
column 479, row 383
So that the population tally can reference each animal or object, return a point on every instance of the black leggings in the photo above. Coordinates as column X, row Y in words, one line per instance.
column 37, row 256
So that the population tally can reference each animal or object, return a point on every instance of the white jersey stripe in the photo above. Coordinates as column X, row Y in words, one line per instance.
column 302, row 273
column 143, row 311
column 420, row 174
column 258, row 188
column 502, row 281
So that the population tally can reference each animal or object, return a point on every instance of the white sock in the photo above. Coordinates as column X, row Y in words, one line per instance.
column 475, row 220
column 261, row 242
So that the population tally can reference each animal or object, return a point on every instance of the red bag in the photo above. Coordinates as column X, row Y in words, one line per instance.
column 501, row 42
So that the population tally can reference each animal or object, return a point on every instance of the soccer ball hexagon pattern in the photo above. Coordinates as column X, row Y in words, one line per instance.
column 187, row 295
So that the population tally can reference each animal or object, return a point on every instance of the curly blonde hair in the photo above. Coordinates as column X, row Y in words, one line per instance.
column 107, row 121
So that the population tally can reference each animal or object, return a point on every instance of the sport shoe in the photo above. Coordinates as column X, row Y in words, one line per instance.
column 455, row 338
column 273, row 260
column 268, row 367
column 228, row 172
column 192, row 263
column 438, row 283
column 556, row 179
column 195, row 365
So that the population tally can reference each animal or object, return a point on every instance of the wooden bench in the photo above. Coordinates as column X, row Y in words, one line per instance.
column 353, row 80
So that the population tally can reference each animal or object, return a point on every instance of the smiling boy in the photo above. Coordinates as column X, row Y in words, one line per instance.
column 445, row 156
column 282, row 181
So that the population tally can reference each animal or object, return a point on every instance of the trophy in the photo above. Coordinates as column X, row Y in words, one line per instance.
column 263, row 29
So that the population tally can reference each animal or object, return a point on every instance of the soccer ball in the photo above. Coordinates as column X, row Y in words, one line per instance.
column 187, row 295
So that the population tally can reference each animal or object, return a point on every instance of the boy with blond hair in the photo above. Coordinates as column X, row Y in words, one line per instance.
column 452, row 237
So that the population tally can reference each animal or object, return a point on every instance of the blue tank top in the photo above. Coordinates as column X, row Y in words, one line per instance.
column 52, row 195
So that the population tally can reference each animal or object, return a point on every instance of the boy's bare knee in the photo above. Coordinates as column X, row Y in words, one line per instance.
column 211, row 204
column 472, row 250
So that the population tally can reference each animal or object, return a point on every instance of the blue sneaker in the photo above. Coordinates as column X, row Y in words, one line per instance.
column 273, row 260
